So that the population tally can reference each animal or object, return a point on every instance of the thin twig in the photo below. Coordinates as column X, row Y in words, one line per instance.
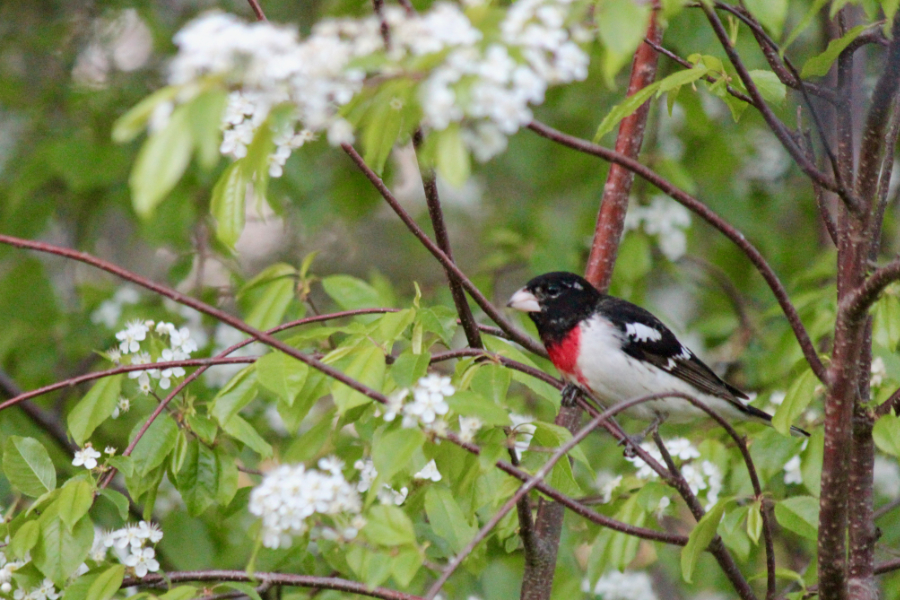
column 439, row 254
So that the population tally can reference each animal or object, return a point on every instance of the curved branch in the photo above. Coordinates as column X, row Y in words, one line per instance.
column 284, row 579
column 693, row 204
column 197, row 305
column 777, row 127
column 485, row 304
column 856, row 303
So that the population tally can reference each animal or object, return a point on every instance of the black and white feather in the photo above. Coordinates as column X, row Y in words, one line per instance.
column 619, row 351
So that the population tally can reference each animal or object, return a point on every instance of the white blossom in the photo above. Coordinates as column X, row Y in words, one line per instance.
column 143, row 561
column 664, row 219
column 879, row 372
column 630, row 585
column 606, row 484
column 86, row 457
column 468, row 427
column 290, row 495
column 388, row 495
column 429, row 471
column 110, row 311
column 524, row 431
column 130, row 337
column 792, row 470
column 703, row 476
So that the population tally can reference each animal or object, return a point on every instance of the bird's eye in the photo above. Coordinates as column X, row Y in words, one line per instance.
column 552, row 290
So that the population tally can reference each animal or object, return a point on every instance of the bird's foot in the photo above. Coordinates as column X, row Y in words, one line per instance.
column 630, row 442
column 569, row 395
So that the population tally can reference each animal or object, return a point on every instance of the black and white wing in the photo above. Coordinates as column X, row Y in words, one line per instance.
column 647, row 339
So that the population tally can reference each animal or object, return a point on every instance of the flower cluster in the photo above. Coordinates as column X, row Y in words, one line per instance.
column 43, row 591
column 484, row 81
column 664, row 219
column 180, row 343
column 7, row 568
column 132, row 539
column 290, row 495
column 704, row 475
column 428, row 404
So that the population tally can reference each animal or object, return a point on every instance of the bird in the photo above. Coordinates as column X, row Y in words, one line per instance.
column 617, row 351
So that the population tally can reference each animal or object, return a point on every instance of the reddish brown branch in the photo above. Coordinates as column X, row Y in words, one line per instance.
column 614, row 204
column 282, row 579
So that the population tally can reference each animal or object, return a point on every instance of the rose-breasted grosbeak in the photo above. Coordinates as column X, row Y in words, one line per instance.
column 619, row 351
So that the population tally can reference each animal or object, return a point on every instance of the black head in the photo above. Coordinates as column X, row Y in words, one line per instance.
column 556, row 302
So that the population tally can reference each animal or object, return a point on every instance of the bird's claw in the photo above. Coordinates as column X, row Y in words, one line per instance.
column 569, row 395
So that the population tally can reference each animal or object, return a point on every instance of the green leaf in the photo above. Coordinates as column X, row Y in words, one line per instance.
column 819, row 65
column 368, row 367
column 770, row 14
column 24, row 540
column 118, row 500
column 351, row 293
column 803, row 24
column 182, row 592
column 886, row 434
column 237, row 393
column 754, row 521
column 27, row 466
column 281, row 374
column 798, row 397
column 227, row 476
column 452, row 158
column 768, row 84
column 388, row 526
column 271, row 273
column 131, row 124
column 74, row 501
column 470, row 404
column 59, row 552
column 405, row 564
column 408, row 368
column 491, row 381
column 613, row 549
column 245, row 588
column 392, row 453
column 206, row 122
column 242, row 430
column 96, row 406
column 228, row 204
column 700, row 538
column 107, row 583
column 622, row 25
column 161, row 162
column 886, row 325
column 125, row 464
column 626, row 108
column 447, row 519
column 158, row 441
column 269, row 309
column 373, row 567
column 800, row 514
column 198, row 478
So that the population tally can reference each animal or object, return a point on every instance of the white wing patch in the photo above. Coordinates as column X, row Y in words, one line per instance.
column 642, row 333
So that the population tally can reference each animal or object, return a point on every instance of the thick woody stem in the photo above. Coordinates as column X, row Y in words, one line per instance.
column 611, row 217
column 537, row 581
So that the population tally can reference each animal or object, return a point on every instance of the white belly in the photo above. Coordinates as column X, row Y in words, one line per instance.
column 615, row 377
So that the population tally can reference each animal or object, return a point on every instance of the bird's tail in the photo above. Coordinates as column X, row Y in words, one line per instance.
column 761, row 415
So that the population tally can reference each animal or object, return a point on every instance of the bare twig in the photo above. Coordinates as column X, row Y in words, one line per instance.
column 439, row 254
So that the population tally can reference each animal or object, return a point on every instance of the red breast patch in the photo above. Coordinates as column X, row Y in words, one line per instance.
column 564, row 354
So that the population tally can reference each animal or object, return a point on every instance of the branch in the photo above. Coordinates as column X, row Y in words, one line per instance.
column 197, row 305
column 439, row 254
column 429, row 184
column 283, row 579
column 704, row 212
column 687, row 65
column 521, row 494
column 614, row 204
column 777, row 127
column 856, row 302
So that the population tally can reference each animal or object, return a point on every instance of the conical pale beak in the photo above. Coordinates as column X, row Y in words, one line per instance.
column 525, row 301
